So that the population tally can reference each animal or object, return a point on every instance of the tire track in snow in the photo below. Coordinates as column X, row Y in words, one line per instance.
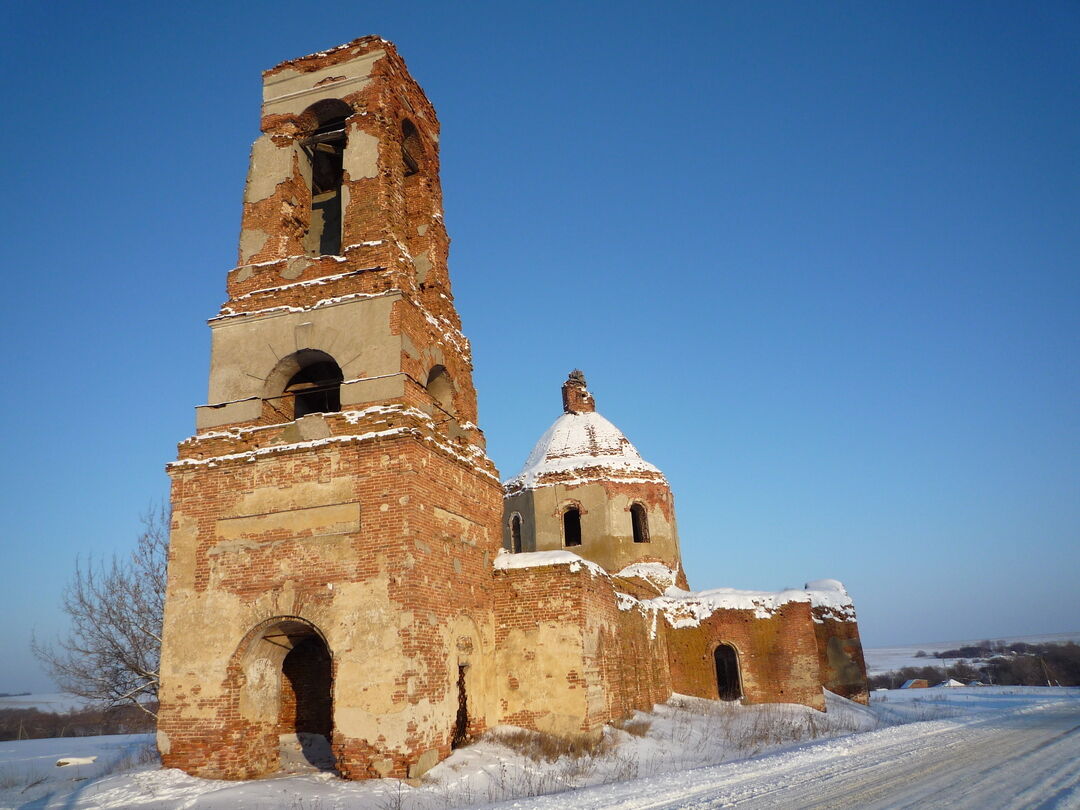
column 1001, row 762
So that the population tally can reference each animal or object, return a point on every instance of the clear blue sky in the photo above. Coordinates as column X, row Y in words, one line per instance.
column 818, row 260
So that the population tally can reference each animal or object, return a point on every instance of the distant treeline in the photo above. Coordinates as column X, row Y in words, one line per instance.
column 32, row 724
column 996, row 663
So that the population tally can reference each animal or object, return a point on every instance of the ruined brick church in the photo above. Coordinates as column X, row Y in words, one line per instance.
column 345, row 564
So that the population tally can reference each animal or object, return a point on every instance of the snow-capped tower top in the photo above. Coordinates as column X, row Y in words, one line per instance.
column 582, row 446
column 585, row 487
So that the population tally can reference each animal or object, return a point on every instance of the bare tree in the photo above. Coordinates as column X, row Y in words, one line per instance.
column 111, row 651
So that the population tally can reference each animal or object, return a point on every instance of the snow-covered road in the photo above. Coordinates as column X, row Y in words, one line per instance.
column 1025, row 759
column 990, row 747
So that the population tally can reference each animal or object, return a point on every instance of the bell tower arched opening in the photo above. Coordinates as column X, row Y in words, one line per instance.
column 325, row 149
column 304, row 382
column 305, row 704
column 316, row 388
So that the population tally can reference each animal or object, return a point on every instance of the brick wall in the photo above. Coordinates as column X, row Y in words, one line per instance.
column 778, row 656
column 840, row 655
column 569, row 660
column 421, row 556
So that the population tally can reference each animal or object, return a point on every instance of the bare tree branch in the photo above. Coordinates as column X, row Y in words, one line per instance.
column 111, row 651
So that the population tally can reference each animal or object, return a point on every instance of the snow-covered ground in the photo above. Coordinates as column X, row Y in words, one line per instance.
column 886, row 659
column 984, row 747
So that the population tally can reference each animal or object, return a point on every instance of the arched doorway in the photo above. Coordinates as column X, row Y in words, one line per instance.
column 304, row 716
column 287, row 695
column 728, row 686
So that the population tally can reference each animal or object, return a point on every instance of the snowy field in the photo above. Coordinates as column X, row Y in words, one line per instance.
column 984, row 747
column 886, row 659
column 52, row 702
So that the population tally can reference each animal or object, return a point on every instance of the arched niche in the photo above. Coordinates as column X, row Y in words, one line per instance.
column 441, row 388
column 469, row 674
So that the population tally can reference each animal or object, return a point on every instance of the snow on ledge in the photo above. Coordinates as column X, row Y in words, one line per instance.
column 506, row 561
column 826, row 585
column 689, row 608
column 654, row 573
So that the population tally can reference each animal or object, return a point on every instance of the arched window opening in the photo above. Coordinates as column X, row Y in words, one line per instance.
column 325, row 148
column 727, row 672
column 571, row 523
column 411, row 149
column 640, row 520
column 515, row 534
column 440, row 386
column 316, row 388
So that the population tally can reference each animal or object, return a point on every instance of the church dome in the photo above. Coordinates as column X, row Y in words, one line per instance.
column 580, row 447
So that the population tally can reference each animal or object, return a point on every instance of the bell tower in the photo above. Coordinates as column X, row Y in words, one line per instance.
column 342, row 220
column 335, row 514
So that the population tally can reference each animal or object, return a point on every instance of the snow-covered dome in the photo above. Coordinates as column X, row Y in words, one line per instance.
column 582, row 446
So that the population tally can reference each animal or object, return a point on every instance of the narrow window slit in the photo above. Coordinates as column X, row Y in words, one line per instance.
column 515, row 534
column 640, row 520
column 410, row 148
column 571, row 521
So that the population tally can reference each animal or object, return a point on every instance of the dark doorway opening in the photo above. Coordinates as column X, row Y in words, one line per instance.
column 461, row 722
column 306, row 708
column 727, row 672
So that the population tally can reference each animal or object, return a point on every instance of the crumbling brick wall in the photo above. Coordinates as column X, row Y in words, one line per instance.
column 568, row 659
column 401, row 554
column 778, row 657
column 840, row 656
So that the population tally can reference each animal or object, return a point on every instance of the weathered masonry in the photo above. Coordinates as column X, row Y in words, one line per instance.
column 349, row 582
